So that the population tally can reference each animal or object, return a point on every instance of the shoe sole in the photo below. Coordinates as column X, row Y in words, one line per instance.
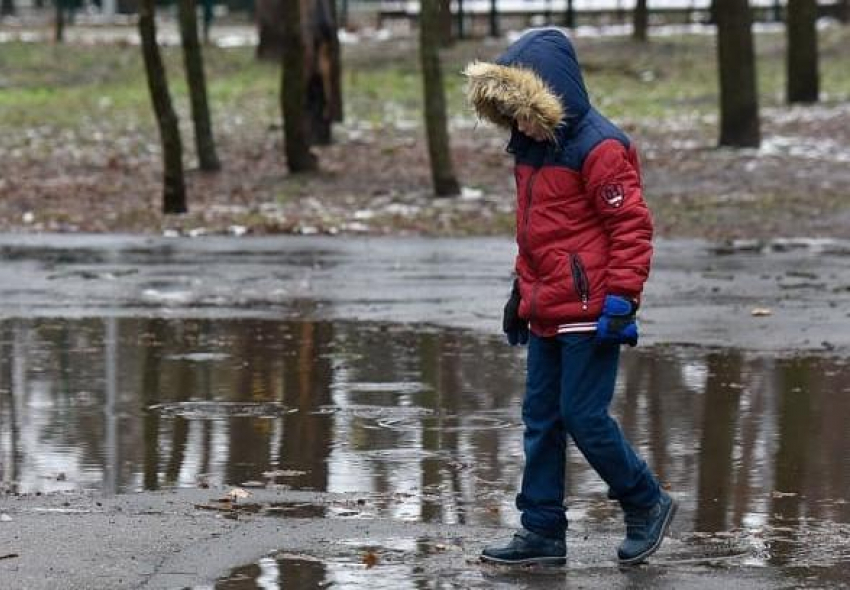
column 674, row 506
column 545, row 561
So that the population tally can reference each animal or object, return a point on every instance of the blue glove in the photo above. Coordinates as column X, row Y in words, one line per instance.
column 514, row 327
column 618, row 325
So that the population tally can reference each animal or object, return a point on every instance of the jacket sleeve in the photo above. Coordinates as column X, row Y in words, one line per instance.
column 612, row 181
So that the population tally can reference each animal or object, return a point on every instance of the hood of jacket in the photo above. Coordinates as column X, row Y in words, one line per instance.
column 538, row 77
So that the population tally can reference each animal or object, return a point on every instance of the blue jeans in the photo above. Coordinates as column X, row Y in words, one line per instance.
column 569, row 386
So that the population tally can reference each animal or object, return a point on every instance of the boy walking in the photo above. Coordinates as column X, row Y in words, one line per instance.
column 584, row 237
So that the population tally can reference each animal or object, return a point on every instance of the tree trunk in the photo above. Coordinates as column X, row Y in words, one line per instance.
column 321, row 54
column 293, row 92
column 59, row 24
column 174, row 188
column 494, row 18
column 7, row 7
column 570, row 15
column 445, row 35
column 319, row 31
column 439, row 152
column 802, row 60
column 208, row 14
column 270, row 29
column 640, row 31
column 194, row 62
column 337, row 112
column 739, row 117
column 844, row 11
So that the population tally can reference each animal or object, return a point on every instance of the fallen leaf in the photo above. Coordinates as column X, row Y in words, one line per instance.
column 238, row 493
column 370, row 559
column 761, row 312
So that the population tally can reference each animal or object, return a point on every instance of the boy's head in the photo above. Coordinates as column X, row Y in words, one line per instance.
column 534, row 87
column 511, row 95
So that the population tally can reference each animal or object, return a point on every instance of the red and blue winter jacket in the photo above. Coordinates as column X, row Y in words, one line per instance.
column 583, row 228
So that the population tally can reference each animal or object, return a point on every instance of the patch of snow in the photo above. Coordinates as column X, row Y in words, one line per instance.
column 471, row 194
column 356, row 227
column 364, row 214
column 807, row 148
column 167, row 296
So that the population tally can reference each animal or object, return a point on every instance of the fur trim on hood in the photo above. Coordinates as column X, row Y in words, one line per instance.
column 502, row 94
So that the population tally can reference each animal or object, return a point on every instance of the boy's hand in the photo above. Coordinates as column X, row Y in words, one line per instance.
column 514, row 326
column 617, row 325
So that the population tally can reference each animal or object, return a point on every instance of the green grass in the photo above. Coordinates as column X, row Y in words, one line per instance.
column 74, row 87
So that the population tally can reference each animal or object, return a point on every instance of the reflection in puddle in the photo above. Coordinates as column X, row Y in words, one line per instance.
column 424, row 424
column 443, row 563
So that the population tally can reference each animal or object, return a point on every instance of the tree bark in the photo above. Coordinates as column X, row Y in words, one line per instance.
column 640, row 31
column 442, row 173
column 322, row 67
column 194, row 62
column 570, row 15
column 739, row 116
column 319, row 31
column 174, row 188
column 59, row 23
column 270, row 29
column 445, row 34
column 299, row 158
column 803, row 83
column 337, row 111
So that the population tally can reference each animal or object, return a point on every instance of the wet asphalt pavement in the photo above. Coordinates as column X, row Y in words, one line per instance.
column 359, row 391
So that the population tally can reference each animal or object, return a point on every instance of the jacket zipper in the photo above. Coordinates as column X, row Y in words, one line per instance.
column 529, row 199
column 580, row 280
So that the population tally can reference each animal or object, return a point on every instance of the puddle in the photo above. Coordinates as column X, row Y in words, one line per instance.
column 421, row 425
column 426, row 562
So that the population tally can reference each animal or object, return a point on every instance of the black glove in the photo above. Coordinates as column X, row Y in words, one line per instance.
column 514, row 326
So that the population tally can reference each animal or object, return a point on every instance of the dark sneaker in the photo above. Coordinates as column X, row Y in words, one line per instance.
column 527, row 548
column 645, row 530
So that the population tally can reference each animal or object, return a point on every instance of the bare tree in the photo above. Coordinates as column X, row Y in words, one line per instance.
column 320, row 38
column 570, row 15
column 269, row 29
column 322, row 65
column 299, row 158
column 337, row 20
column 640, row 30
column 194, row 62
column 59, row 22
column 494, row 18
column 739, row 113
column 174, row 188
column 803, row 83
column 446, row 35
column 442, row 173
